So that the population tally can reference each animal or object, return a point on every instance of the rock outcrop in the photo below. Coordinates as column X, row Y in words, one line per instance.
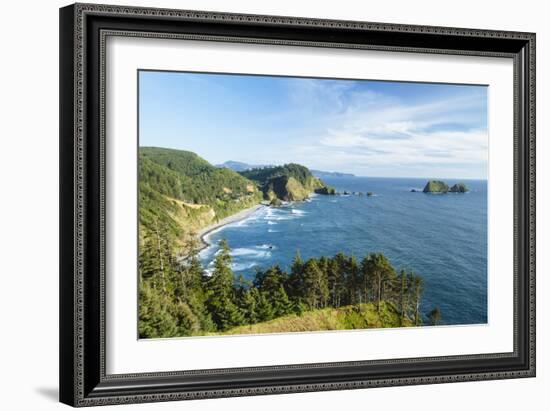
column 437, row 186
column 459, row 188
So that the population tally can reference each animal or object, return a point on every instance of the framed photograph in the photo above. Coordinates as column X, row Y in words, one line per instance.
column 261, row 204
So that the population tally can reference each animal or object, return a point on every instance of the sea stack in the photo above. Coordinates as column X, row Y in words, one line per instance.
column 459, row 188
column 436, row 186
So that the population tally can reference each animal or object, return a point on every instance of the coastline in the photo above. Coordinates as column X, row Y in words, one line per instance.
column 241, row 215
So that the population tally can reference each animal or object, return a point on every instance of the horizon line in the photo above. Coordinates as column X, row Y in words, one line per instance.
column 315, row 168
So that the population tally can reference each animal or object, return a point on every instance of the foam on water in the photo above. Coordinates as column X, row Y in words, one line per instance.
column 256, row 252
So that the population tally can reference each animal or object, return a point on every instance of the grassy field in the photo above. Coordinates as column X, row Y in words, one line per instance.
column 344, row 318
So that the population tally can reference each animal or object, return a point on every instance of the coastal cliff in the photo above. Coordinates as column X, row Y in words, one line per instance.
column 180, row 193
column 291, row 182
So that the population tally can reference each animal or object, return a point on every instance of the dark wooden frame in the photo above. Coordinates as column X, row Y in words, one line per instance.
column 83, row 30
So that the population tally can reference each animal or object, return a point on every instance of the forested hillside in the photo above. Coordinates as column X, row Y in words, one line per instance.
column 180, row 193
column 291, row 182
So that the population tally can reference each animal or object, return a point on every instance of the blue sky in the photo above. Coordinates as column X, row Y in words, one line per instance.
column 369, row 128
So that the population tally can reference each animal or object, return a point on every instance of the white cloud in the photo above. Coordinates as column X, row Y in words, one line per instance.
column 371, row 132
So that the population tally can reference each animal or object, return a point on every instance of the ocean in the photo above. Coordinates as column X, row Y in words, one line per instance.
column 442, row 237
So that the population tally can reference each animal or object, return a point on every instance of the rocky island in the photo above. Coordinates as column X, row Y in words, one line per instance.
column 459, row 188
column 440, row 187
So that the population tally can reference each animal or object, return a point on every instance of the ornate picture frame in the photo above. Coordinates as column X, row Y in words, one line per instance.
column 84, row 30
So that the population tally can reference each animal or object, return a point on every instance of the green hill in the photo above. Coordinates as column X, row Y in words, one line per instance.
column 291, row 182
column 182, row 193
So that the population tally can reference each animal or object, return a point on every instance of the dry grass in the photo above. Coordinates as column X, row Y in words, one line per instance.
column 343, row 318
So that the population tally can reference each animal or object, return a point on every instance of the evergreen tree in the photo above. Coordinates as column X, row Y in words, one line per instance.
column 264, row 309
column 354, row 282
column 315, row 285
column 417, row 290
column 340, row 267
column 435, row 316
column 221, row 307
column 403, row 294
column 334, row 283
column 295, row 282
column 155, row 321
column 382, row 271
column 248, row 305
column 365, row 279
column 188, row 323
column 271, row 283
column 281, row 303
column 155, row 259
column 270, row 280
column 178, row 299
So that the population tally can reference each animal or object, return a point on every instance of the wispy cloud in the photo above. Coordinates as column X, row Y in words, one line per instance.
column 373, row 131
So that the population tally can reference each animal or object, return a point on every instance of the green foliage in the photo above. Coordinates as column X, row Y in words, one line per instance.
column 459, row 188
column 264, row 308
column 417, row 288
column 263, row 175
column 155, row 320
column 169, row 179
column 435, row 186
column 222, row 297
column 290, row 182
column 434, row 316
column 180, row 299
column 186, row 176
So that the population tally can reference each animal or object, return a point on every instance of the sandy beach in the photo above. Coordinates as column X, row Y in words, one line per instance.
column 241, row 215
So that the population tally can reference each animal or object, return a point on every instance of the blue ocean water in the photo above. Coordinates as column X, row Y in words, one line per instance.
column 442, row 237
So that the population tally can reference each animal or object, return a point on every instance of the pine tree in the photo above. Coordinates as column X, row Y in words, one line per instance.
column 403, row 295
column 417, row 290
column 155, row 257
column 281, row 303
column 315, row 285
column 340, row 267
column 248, row 305
column 334, row 283
column 221, row 307
column 264, row 309
column 221, row 281
column 381, row 271
column 155, row 320
column 353, row 274
column 435, row 316
column 295, row 282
